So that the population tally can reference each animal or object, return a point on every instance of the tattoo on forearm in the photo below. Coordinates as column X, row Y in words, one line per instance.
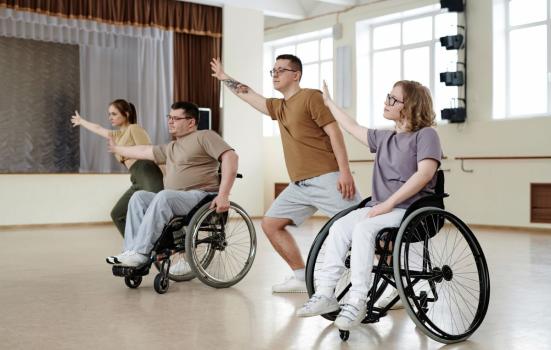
column 236, row 86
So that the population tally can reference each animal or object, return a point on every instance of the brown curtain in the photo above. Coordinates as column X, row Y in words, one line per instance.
column 192, row 73
column 177, row 16
column 197, row 37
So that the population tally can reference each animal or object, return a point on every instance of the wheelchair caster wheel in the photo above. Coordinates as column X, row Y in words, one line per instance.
column 344, row 335
column 133, row 282
column 160, row 284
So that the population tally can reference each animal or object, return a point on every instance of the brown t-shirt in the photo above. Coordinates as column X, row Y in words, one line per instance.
column 131, row 136
column 192, row 161
column 307, row 148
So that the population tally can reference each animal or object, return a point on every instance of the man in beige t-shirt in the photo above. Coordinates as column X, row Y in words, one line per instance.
column 315, row 156
column 192, row 163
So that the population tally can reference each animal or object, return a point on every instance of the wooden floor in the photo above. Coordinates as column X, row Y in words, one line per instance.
column 56, row 292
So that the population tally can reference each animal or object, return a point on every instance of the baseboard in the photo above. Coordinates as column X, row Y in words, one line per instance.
column 511, row 228
column 71, row 224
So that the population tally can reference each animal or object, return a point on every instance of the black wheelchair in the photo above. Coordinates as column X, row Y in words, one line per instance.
column 217, row 248
column 433, row 260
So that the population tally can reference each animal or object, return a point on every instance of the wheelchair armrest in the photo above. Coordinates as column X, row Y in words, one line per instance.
column 364, row 202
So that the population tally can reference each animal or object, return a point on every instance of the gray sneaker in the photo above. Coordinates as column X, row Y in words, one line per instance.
column 351, row 315
column 133, row 259
column 115, row 259
column 318, row 305
column 291, row 285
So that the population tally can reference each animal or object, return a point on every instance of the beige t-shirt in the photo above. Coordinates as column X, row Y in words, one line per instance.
column 307, row 148
column 131, row 136
column 192, row 161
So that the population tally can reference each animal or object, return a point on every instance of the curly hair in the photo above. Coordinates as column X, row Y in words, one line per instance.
column 418, row 112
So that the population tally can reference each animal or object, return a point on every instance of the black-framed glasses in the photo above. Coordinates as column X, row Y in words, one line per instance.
column 173, row 118
column 391, row 100
column 280, row 70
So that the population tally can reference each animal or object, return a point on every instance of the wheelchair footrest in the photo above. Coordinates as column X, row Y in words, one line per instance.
column 130, row 271
column 375, row 315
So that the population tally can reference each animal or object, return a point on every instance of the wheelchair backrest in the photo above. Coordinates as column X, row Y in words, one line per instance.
column 431, row 200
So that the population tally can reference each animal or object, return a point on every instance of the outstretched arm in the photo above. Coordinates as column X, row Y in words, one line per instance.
column 131, row 152
column 95, row 128
column 242, row 91
column 229, row 161
column 347, row 122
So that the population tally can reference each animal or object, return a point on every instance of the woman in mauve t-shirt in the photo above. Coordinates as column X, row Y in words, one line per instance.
column 144, row 174
column 406, row 160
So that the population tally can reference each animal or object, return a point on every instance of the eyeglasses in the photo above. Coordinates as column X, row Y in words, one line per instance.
column 391, row 100
column 279, row 71
column 175, row 119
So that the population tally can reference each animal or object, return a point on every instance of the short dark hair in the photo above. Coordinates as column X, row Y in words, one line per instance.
column 296, row 63
column 190, row 109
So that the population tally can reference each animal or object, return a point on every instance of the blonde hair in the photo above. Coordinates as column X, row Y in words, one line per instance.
column 418, row 112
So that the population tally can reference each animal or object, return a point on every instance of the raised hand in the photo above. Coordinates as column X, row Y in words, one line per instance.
column 326, row 95
column 76, row 119
column 218, row 69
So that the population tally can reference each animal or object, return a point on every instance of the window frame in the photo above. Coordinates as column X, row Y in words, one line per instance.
column 369, row 119
column 508, row 29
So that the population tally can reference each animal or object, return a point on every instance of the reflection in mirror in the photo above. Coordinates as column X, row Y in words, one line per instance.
column 39, row 91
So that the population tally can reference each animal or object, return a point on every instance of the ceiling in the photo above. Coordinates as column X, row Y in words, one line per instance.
column 278, row 12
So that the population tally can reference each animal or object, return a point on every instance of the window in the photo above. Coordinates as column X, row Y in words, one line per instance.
column 401, row 46
column 522, row 80
column 315, row 50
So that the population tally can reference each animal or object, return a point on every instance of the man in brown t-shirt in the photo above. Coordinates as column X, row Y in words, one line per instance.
column 192, row 163
column 315, row 156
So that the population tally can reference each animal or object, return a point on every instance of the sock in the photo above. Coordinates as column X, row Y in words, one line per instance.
column 300, row 275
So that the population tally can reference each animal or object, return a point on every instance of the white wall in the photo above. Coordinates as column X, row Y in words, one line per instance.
column 59, row 198
column 242, row 54
column 497, row 192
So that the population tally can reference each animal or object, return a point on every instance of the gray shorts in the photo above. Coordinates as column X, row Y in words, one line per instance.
column 300, row 200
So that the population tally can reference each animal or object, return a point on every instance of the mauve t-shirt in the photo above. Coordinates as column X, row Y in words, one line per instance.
column 397, row 155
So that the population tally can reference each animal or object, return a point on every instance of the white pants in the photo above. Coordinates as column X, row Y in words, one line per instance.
column 358, row 231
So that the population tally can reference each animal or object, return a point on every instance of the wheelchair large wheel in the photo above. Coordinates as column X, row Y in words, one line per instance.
column 441, row 275
column 315, row 262
column 220, row 247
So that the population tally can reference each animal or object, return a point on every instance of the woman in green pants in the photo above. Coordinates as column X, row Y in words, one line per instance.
column 144, row 174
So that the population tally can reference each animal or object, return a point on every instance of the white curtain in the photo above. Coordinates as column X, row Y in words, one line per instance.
column 133, row 63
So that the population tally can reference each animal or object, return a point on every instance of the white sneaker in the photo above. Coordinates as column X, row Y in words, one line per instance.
column 179, row 268
column 115, row 259
column 351, row 315
column 318, row 305
column 382, row 303
column 133, row 259
column 290, row 285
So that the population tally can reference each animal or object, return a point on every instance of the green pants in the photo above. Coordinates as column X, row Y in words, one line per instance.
column 145, row 175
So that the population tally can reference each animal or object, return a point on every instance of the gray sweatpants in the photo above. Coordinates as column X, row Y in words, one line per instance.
column 149, row 212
